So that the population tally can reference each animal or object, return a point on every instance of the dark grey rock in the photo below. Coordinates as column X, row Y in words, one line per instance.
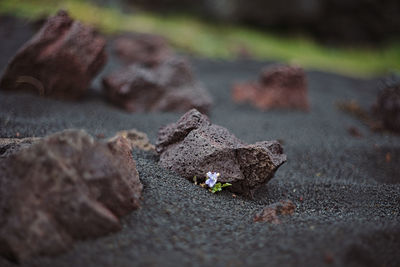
column 169, row 87
column 193, row 146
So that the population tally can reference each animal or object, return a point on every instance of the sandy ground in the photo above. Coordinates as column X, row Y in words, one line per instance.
column 349, row 214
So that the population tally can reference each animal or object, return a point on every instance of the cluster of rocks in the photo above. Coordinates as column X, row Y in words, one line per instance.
column 63, row 188
column 282, row 87
column 69, row 186
column 193, row 146
column 64, row 56
column 61, row 60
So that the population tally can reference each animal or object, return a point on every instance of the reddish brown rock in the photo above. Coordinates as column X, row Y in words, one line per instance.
column 124, row 182
column 63, row 188
column 168, row 87
column 387, row 107
column 193, row 146
column 272, row 212
column 283, row 87
column 137, row 140
column 141, row 48
column 59, row 61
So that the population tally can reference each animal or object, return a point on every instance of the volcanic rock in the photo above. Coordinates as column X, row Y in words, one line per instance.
column 282, row 87
column 142, row 48
column 193, row 146
column 168, row 87
column 63, row 188
column 387, row 107
column 271, row 212
column 59, row 61
column 137, row 140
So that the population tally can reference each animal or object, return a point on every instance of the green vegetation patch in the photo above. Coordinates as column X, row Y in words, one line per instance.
column 201, row 38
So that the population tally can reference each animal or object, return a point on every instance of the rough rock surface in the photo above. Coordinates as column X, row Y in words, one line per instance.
column 388, row 107
column 59, row 61
column 145, row 49
column 9, row 146
column 63, row 188
column 136, row 139
column 278, row 87
column 168, row 87
column 193, row 146
column 271, row 212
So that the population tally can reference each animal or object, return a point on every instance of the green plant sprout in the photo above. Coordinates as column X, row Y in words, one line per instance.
column 218, row 187
column 211, row 181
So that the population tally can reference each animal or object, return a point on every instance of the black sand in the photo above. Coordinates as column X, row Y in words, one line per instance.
column 350, row 213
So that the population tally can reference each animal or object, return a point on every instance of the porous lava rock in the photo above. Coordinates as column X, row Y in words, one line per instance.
column 272, row 212
column 59, row 61
column 283, row 87
column 387, row 107
column 65, row 187
column 168, row 87
column 193, row 146
column 136, row 139
column 142, row 48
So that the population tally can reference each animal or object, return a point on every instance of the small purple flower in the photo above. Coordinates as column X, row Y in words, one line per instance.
column 212, row 178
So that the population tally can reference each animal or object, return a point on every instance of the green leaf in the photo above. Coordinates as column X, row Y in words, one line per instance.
column 217, row 187
column 226, row 184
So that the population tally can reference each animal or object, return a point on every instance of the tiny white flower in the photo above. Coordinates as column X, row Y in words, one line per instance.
column 212, row 178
